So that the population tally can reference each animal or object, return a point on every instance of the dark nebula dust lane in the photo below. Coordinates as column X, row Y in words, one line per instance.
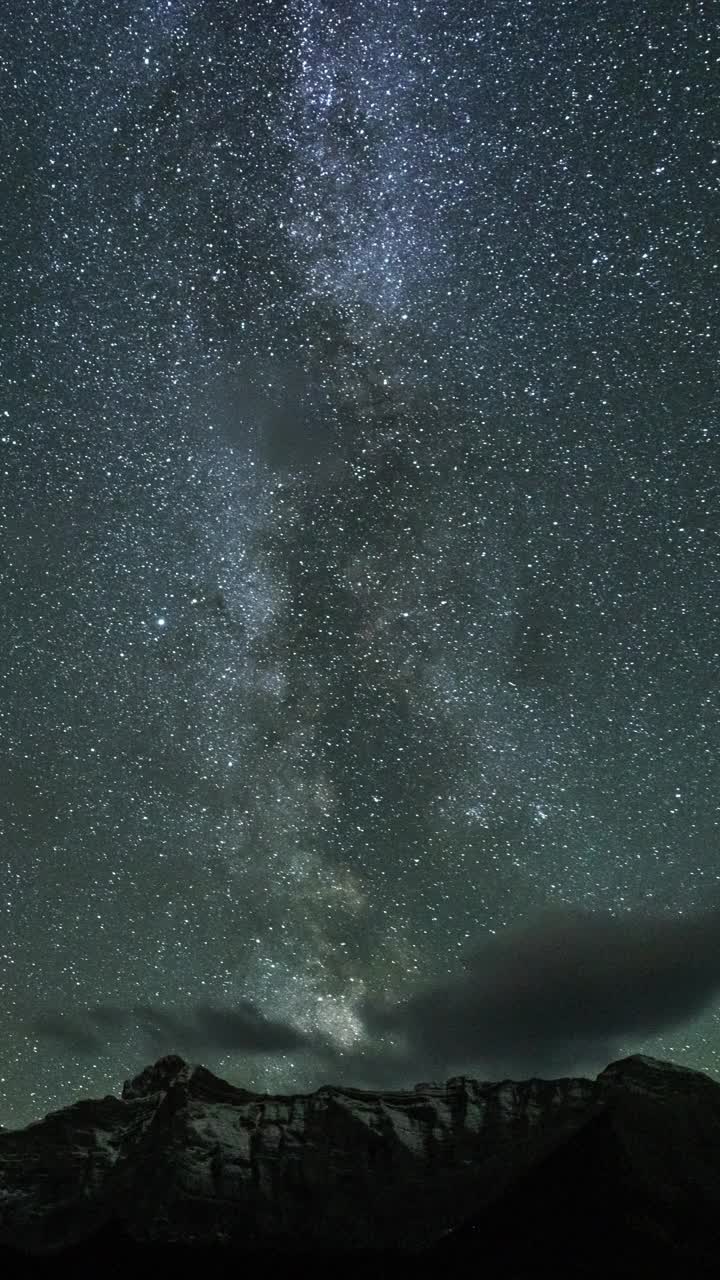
column 358, row 535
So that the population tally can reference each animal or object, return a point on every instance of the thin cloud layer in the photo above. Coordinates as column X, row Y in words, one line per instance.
column 203, row 1029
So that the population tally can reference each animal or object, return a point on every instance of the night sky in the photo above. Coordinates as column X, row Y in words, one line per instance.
column 358, row 528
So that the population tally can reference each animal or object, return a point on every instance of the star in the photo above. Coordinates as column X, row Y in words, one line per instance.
column 356, row 512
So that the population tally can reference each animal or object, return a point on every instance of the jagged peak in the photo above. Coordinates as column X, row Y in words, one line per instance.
column 640, row 1070
column 157, row 1078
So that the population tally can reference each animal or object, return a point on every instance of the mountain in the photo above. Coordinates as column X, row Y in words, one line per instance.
column 586, row 1177
column 633, row 1192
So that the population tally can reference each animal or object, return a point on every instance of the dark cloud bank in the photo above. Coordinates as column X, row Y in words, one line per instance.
column 567, row 989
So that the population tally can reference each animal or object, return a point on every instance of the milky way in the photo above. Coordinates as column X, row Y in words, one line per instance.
column 358, row 508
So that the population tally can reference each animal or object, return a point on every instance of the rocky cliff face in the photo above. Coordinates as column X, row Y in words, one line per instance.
column 183, row 1156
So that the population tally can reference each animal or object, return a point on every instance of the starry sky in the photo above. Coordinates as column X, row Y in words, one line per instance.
column 358, row 513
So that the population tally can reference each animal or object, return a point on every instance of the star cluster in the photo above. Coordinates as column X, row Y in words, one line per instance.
column 358, row 500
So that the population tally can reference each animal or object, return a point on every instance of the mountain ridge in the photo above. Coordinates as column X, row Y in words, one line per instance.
column 183, row 1159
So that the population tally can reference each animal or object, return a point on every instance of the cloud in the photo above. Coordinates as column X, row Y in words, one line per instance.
column 242, row 1028
column 202, row 1029
column 569, row 986
column 565, row 991
column 68, row 1030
